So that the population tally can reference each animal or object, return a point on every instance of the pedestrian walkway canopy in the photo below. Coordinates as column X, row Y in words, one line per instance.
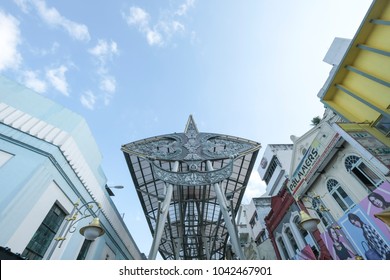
column 188, row 184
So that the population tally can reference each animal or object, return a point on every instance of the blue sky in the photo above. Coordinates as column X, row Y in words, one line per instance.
column 136, row 69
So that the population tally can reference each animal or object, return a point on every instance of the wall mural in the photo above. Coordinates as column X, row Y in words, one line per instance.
column 366, row 233
column 338, row 244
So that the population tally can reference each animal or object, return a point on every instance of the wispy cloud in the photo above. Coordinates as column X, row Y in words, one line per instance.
column 138, row 17
column 45, row 51
column 167, row 25
column 53, row 18
column 10, row 57
column 23, row 5
column 31, row 80
column 56, row 77
column 88, row 100
column 108, row 84
column 183, row 8
column 104, row 52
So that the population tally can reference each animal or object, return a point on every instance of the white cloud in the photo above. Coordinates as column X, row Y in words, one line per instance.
column 140, row 18
column 23, row 5
column 32, row 81
column 104, row 50
column 108, row 84
column 137, row 16
column 167, row 24
column 52, row 17
column 183, row 8
column 57, row 78
column 177, row 26
column 10, row 57
column 88, row 100
column 153, row 37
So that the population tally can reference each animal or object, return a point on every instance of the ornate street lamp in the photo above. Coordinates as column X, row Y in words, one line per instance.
column 307, row 222
column 91, row 231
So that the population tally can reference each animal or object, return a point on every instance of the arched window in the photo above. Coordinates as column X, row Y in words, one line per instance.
column 362, row 172
column 283, row 248
column 350, row 162
column 338, row 193
column 322, row 212
column 291, row 240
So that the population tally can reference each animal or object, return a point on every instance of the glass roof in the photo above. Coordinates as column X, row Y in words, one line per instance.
column 195, row 227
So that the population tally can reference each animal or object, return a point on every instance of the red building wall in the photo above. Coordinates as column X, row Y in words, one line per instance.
column 280, row 205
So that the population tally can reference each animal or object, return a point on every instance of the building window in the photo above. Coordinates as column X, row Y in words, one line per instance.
column 283, row 247
column 253, row 220
column 271, row 169
column 383, row 125
column 84, row 249
column 291, row 239
column 362, row 172
column 42, row 238
column 338, row 193
column 261, row 237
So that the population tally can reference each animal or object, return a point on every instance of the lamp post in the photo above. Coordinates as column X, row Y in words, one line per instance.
column 91, row 231
column 308, row 222
column 110, row 192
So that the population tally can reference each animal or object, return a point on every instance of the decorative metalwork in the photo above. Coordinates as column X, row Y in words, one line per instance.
column 190, row 146
column 218, row 147
column 193, row 178
column 182, row 180
column 167, row 148
column 86, row 210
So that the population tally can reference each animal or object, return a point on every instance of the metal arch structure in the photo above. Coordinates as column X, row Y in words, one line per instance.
column 190, row 185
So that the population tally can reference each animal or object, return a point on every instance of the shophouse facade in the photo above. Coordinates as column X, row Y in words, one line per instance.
column 252, row 232
column 358, row 91
column 338, row 184
column 288, row 239
column 249, row 227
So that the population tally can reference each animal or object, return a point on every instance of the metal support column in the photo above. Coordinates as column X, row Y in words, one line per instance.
column 162, row 217
column 228, row 221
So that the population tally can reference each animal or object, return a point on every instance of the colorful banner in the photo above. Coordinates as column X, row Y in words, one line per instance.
column 314, row 156
column 368, row 234
column 359, row 233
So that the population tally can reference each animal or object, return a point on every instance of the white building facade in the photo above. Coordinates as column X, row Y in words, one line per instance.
column 48, row 162
column 274, row 166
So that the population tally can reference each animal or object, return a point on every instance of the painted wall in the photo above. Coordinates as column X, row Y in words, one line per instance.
column 359, row 241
